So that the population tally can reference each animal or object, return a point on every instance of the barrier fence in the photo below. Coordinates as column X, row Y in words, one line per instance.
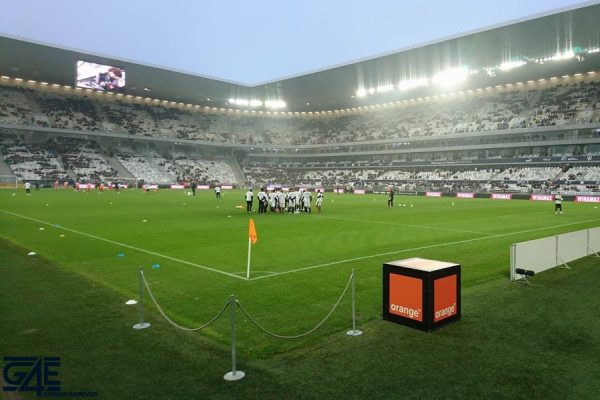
column 553, row 251
column 232, row 303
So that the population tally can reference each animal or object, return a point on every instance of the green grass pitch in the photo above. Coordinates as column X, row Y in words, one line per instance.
column 68, row 301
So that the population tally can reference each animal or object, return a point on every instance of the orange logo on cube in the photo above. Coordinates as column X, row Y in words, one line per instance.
column 444, row 298
column 406, row 297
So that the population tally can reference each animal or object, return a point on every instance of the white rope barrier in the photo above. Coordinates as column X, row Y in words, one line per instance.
column 259, row 326
column 206, row 325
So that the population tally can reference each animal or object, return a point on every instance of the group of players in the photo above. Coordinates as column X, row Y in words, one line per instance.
column 278, row 201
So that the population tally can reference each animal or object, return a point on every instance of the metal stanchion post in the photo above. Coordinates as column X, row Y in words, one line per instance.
column 353, row 331
column 235, row 374
column 141, row 324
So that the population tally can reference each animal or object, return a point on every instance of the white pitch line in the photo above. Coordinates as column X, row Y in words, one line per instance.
column 127, row 246
column 233, row 275
column 419, row 248
column 436, row 228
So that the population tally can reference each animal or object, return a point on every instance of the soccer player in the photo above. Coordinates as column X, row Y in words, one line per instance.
column 558, row 203
column 390, row 201
column 319, row 202
column 218, row 191
column 27, row 189
column 262, row 201
column 193, row 187
column 281, row 200
column 300, row 199
column 291, row 202
column 249, row 200
column 307, row 197
column 273, row 201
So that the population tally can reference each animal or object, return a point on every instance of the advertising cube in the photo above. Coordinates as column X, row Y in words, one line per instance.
column 423, row 294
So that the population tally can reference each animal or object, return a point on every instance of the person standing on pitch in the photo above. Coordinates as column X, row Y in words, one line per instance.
column 218, row 191
column 390, row 202
column 307, row 196
column 249, row 199
column 27, row 189
column 558, row 204
column 319, row 202
column 262, row 201
column 193, row 187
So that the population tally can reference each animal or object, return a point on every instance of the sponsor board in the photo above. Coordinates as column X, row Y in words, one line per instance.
column 87, row 186
column 465, row 195
column 227, row 187
column 501, row 196
column 587, row 199
column 433, row 194
column 177, row 186
column 360, row 191
column 542, row 197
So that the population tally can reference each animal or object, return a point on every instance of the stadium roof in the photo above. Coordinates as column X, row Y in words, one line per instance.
column 569, row 32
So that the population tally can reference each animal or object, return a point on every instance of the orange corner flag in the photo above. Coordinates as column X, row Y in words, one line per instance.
column 252, row 232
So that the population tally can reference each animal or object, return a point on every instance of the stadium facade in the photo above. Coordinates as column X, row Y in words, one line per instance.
column 512, row 108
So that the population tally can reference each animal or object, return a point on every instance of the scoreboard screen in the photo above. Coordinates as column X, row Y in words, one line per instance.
column 100, row 77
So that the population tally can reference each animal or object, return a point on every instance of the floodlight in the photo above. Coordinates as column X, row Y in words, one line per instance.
column 451, row 76
column 361, row 93
column 563, row 56
column 275, row 104
column 508, row 65
column 412, row 83
column 525, row 274
column 385, row 88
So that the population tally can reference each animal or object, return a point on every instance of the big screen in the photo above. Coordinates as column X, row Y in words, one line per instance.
column 100, row 77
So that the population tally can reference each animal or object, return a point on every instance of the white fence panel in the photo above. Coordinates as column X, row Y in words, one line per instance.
column 542, row 254
column 571, row 246
column 594, row 240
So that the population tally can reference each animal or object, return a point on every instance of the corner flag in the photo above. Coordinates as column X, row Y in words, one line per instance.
column 252, row 239
column 252, row 232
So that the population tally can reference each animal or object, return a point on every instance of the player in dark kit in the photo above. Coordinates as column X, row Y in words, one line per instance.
column 193, row 187
column 390, row 201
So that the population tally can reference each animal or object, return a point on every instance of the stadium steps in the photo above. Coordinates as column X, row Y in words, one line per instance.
column 5, row 169
column 120, row 168
column 237, row 171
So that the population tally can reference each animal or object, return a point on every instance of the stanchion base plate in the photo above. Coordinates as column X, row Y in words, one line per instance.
column 142, row 325
column 353, row 332
column 231, row 376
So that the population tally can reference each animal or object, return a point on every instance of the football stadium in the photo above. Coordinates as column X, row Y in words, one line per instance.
column 419, row 224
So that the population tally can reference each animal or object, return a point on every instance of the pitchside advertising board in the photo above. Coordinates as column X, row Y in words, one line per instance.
column 423, row 294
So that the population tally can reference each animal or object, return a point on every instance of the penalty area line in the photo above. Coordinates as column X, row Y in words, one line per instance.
column 329, row 264
column 126, row 246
